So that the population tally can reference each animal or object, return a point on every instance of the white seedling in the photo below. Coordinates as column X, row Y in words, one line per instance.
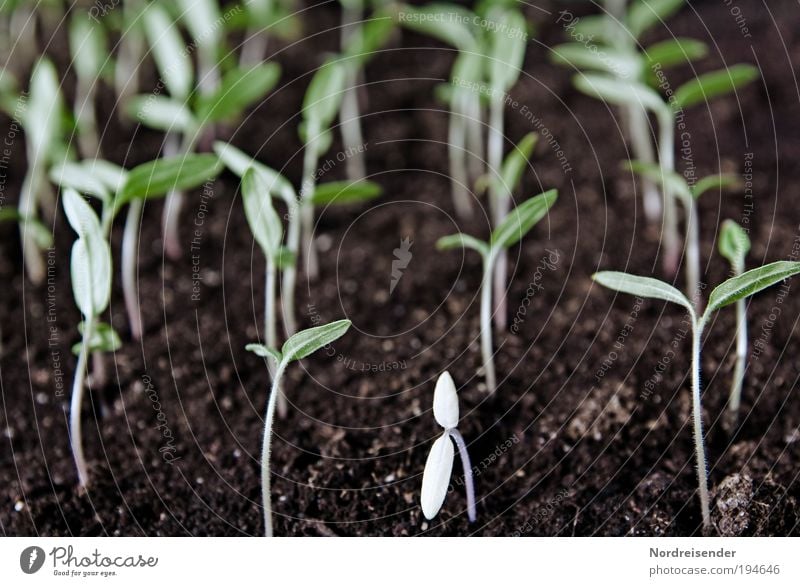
column 631, row 93
column 518, row 223
column 297, row 347
column 130, row 53
column 90, row 270
column 87, row 43
column 734, row 245
column 727, row 293
column 439, row 465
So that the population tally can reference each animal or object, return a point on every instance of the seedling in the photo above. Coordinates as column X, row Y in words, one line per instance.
column 261, row 19
column 87, row 44
column 439, row 465
column 129, row 54
column 203, row 21
column 360, row 41
column 688, row 196
column 90, row 269
column 637, row 95
column 609, row 43
column 727, row 293
column 518, row 223
column 734, row 246
column 297, row 347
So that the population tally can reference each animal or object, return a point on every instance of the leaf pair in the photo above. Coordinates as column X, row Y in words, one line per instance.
column 676, row 182
column 303, row 344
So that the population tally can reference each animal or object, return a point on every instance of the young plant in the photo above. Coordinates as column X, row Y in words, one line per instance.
column 688, row 196
column 637, row 95
column 518, row 223
column 297, row 347
column 90, row 269
column 203, row 21
column 734, row 245
column 87, row 43
column 727, row 293
column 261, row 19
column 130, row 54
column 439, row 465
column 360, row 41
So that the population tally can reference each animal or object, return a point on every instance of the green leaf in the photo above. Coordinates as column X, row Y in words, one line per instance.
column 717, row 182
column 157, row 178
column 675, row 52
column 80, row 214
column 264, row 222
column 285, row 258
column 344, row 192
column 619, row 92
column 77, row 177
column 652, row 171
column 515, row 163
column 239, row 89
column 462, row 241
column 42, row 117
column 734, row 244
column 750, row 283
column 645, row 14
column 161, row 113
column 507, row 45
column 309, row 341
column 239, row 162
column 606, row 59
column 521, row 219
column 170, row 53
column 592, row 26
column 370, row 38
column 642, row 287
column 445, row 22
column 711, row 85
column 104, row 339
column 203, row 20
column 87, row 44
column 112, row 176
column 264, row 351
column 323, row 97
column 318, row 140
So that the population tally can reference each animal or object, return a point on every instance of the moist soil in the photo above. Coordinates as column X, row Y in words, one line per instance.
column 589, row 432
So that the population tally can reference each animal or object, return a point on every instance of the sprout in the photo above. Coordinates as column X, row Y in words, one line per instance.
column 359, row 41
column 202, row 19
column 727, row 293
column 265, row 17
column 90, row 269
column 635, row 94
column 297, row 347
column 518, row 223
column 734, row 246
column 439, row 465
column 129, row 54
column 87, row 44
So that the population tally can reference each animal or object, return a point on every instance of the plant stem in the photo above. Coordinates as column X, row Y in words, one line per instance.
column 270, row 330
column 254, row 47
column 666, row 155
column 486, row 323
column 349, row 113
column 31, row 254
column 307, row 212
column 500, row 202
column 474, row 123
column 456, row 148
column 697, row 416
column 131, row 49
column 76, row 402
column 741, row 358
column 86, row 121
column 693, row 254
column 290, row 272
column 130, row 246
column 465, row 463
column 266, row 450
column 639, row 129
column 174, row 200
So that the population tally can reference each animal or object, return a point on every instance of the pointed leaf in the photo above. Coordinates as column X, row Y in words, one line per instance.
column 515, row 163
column 750, row 283
column 90, row 271
column 462, row 241
column 445, row 401
column 652, row 171
column 238, row 162
column 264, row 351
column 645, row 14
column 168, row 49
column 445, row 22
column 373, row 35
column 104, row 339
column 76, row 176
column 87, row 44
column 675, row 52
column 507, row 43
column 323, row 97
column 309, row 341
column 734, row 244
column 642, row 287
column 608, row 60
column 344, row 192
column 264, row 222
column 239, row 89
column 436, row 477
column 80, row 214
column 717, row 182
column 711, row 85
column 157, row 178
column 522, row 218
column 619, row 92
column 161, row 113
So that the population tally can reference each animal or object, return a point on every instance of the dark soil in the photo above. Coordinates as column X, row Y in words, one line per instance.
column 576, row 442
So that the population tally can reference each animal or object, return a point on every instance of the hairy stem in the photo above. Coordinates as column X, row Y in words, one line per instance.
column 270, row 329
column 486, row 324
column 290, row 272
column 266, row 450
column 467, row 465
column 76, row 401
column 666, row 153
column 693, row 255
column 741, row 357
column 697, row 417
column 130, row 249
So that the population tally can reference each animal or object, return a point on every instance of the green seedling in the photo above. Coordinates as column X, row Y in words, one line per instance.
column 518, row 223
column 130, row 54
column 299, row 346
column 439, row 465
column 734, row 245
column 688, row 196
column 263, row 18
column 90, row 270
column 727, row 293
column 203, row 20
column 87, row 43
column 637, row 95
column 360, row 41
